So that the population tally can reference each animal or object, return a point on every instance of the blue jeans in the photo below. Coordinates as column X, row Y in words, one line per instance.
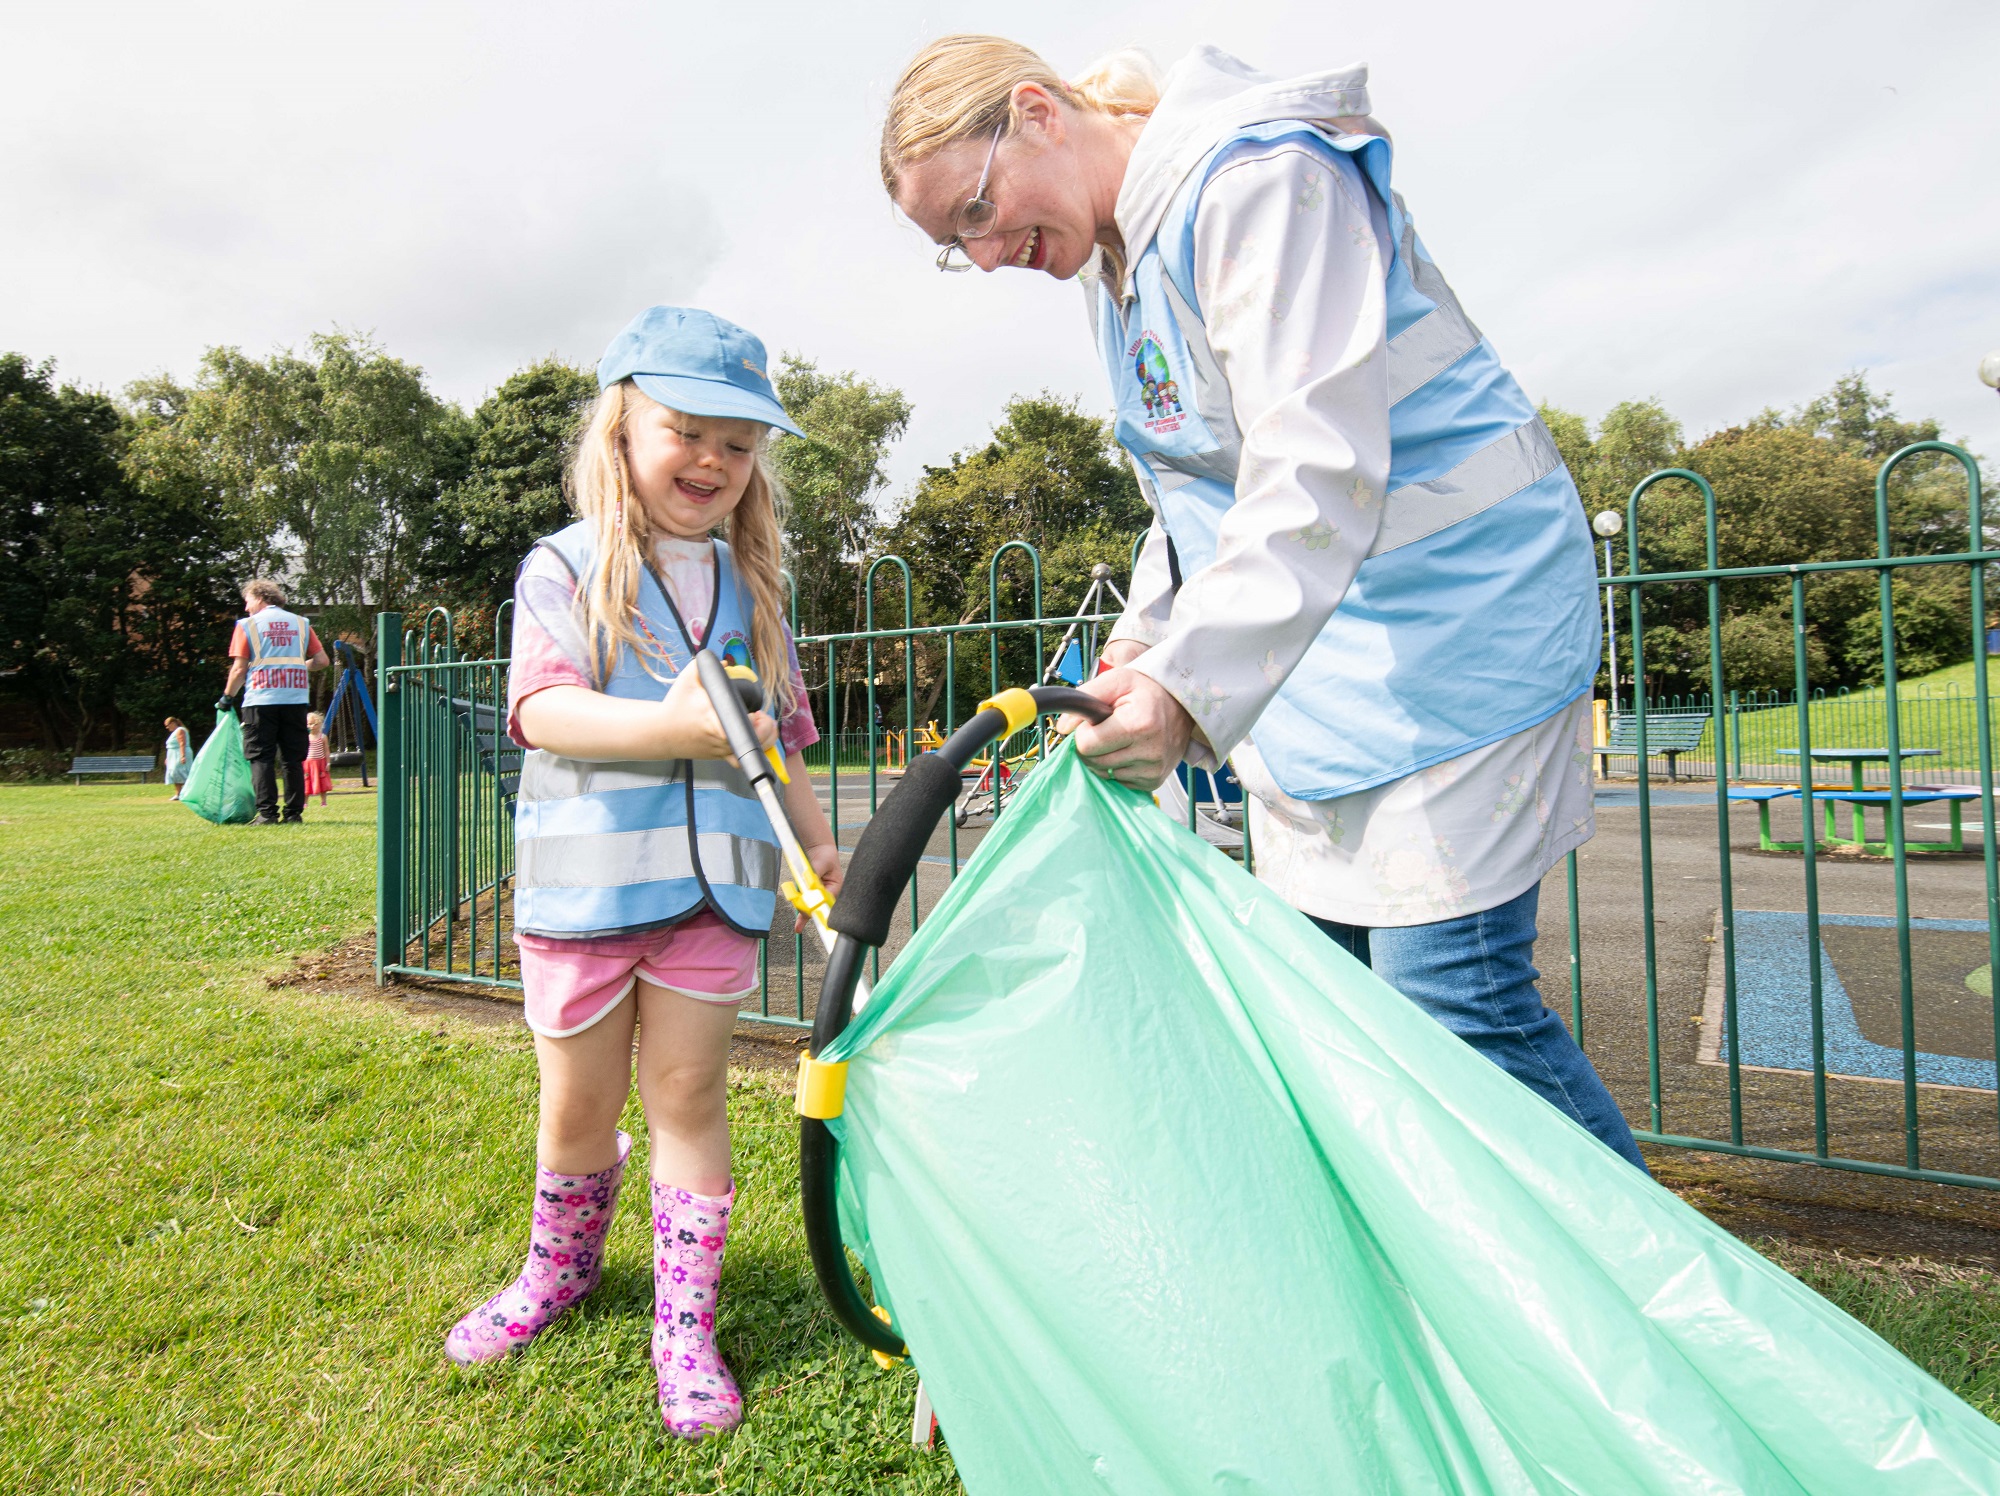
column 1476, row 976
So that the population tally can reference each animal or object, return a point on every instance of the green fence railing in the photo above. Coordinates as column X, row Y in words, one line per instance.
column 1795, row 1127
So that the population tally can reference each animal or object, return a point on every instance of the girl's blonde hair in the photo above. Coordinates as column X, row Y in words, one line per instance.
column 962, row 88
column 315, row 721
column 600, row 489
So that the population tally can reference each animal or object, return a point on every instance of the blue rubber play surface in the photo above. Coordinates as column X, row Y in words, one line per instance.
column 1860, row 991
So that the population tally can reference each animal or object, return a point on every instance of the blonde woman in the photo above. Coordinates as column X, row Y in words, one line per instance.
column 1369, row 582
column 645, row 870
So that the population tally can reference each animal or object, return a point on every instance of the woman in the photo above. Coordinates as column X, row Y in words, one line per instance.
column 1369, row 582
column 179, row 756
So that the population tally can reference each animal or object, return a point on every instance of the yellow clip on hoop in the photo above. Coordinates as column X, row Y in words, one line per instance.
column 822, row 1088
column 1018, row 706
column 881, row 1360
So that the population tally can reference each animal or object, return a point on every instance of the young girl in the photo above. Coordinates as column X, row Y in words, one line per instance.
column 646, row 872
column 319, row 772
column 179, row 759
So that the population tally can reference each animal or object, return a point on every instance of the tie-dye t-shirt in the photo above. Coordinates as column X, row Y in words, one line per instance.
column 549, row 647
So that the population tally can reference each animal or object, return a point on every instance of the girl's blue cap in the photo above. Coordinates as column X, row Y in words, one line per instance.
column 695, row 362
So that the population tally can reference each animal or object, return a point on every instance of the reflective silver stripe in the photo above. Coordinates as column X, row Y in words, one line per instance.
column 1427, row 347
column 738, row 860
column 723, row 774
column 548, row 776
column 617, row 858
column 1496, row 471
column 1433, row 343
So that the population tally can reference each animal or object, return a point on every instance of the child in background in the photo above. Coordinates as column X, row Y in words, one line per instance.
column 646, row 870
column 179, row 757
column 319, row 766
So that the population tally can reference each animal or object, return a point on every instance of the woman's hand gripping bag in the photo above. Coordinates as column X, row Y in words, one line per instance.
column 1168, row 1194
column 218, row 785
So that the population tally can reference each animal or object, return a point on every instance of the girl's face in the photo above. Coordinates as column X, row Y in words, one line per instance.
column 688, row 471
column 1045, row 215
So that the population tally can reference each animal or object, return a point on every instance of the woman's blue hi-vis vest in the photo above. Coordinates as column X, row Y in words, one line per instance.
column 1474, row 615
column 610, row 848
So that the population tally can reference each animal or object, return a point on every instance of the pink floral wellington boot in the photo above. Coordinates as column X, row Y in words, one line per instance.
column 565, row 1262
column 698, row 1396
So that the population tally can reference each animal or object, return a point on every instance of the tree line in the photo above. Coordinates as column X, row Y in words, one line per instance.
column 1790, row 487
column 128, row 523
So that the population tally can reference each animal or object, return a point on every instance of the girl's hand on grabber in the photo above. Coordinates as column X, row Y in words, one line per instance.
column 1143, row 738
column 691, row 727
column 825, row 859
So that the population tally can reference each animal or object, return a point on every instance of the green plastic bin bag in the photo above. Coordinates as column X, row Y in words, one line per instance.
column 1168, row 1194
column 218, row 784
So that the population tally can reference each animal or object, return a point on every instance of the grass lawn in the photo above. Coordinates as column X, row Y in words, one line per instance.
column 241, row 1218
column 1933, row 711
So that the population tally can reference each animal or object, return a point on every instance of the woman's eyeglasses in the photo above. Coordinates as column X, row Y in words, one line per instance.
column 976, row 218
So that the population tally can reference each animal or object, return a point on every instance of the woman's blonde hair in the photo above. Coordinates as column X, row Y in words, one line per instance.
column 600, row 489
column 962, row 88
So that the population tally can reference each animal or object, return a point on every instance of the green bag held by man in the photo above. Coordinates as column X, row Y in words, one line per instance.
column 1166, row 1193
column 218, row 785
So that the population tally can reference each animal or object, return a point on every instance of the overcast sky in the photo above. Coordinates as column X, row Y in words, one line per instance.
column 1722, row 205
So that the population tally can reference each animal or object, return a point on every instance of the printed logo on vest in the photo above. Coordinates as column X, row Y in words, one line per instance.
column 1157, row 388
column 733, row 648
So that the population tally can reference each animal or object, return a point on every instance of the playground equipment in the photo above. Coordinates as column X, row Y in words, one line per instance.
column 1162, row 1192
column 351, row 709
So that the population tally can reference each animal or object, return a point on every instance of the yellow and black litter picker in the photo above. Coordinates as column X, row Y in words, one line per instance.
column 881, row 868
column 735, row 692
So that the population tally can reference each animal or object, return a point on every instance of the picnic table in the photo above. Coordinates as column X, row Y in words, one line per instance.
column 1857, row 758
column 1859, row 799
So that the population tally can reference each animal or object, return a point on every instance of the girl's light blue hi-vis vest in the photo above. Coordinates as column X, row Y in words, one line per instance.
column 610, row 848
column 1474, row 615
column 278, row 673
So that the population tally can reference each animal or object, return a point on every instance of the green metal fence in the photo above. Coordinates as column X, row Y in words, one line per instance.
column 449, row 773
column 1688, row 1118
column 1761, row 731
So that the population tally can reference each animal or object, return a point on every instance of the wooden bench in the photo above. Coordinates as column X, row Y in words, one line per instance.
column 498, row 755
column 134, row 764
column 1669, row 734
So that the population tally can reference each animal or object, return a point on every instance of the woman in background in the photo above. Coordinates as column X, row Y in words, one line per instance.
column 179, row 758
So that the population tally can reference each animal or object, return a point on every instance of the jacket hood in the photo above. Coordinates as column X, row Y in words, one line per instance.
column 1209, row 95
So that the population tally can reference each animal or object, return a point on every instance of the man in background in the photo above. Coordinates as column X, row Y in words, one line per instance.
column 274, row 652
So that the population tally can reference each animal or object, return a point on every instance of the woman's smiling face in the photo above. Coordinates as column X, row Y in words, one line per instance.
column 1044, row 218
column 689, row 472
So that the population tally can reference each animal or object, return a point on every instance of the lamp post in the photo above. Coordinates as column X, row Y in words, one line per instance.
column 1989, row 375
column 1607, row 524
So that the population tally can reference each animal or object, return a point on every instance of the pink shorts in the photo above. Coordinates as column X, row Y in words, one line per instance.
column 573, row 983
